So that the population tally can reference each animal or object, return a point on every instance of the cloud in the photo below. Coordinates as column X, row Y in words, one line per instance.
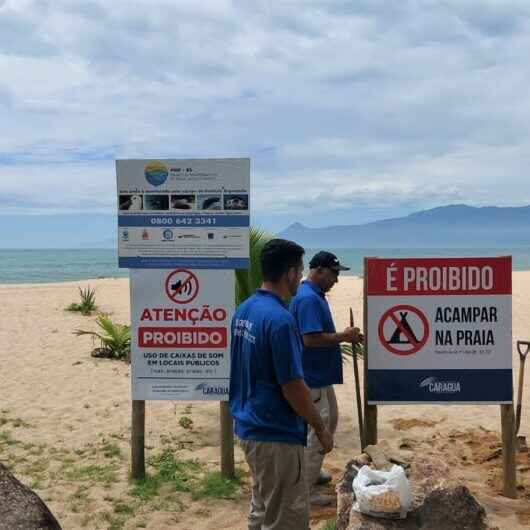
column 392, row 107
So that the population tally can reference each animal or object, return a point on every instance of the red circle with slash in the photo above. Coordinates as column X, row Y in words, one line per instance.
column 182, row 286
column 413, row 343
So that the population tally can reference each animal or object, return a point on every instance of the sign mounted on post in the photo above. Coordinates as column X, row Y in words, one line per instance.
column 439, row 330
column 183, row 213
column 180, row 333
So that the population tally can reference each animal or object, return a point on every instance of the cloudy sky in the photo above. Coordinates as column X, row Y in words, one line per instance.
column 351, row 111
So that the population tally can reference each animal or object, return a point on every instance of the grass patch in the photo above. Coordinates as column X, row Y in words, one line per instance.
column 179, row 474
column 212, row 484
column 330, row 525
column 123, row 508
column 111, row 450
column 102, row 474
column 185, row 422
column 6, row 439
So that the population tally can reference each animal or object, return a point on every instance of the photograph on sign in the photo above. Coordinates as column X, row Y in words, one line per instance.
column 180, row 333
column 183, row 213
column 439, row 330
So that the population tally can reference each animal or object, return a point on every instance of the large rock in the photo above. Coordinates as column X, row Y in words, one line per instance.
column 439, row 503
column 21, row 508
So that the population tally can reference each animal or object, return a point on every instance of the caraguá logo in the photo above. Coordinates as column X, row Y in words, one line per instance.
column 208, row 389
column 435, row 386
column 156, row 173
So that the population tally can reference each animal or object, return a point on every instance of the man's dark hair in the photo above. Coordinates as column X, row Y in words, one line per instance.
column 278, row 256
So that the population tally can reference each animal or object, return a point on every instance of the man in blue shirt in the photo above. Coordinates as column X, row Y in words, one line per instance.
column 321, row 357
column 269, row 399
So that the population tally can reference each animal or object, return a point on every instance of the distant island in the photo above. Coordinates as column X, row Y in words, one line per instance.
column 453, row 226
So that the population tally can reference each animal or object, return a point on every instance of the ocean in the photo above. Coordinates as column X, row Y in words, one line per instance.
column 45, row 266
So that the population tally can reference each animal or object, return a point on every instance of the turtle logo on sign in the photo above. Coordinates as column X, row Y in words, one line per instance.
column 403, row 330
column 182, row 286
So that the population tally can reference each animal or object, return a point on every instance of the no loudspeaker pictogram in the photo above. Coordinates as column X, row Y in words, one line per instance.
column 403, row 330
column 182, row 286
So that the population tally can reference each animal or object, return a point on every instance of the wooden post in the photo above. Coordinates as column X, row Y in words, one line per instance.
column 508, row 452
column 227, row 442
column 370, row 411
column 138, row 440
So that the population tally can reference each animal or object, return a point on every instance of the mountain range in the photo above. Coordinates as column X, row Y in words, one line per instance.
column 452, row 226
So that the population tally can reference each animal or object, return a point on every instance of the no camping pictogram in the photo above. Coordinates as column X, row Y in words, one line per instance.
column 182, row 286
column 403, row 330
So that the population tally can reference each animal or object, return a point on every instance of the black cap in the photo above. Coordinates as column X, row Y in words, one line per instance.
column 326, row 259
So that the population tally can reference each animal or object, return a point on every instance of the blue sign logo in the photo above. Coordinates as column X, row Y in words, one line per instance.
column 435, row 386
column 212, row 390
column 167, row 234
column 125, row 235
column 156, row 173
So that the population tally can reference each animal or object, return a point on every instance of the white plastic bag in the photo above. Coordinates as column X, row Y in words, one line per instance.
column 382, row 493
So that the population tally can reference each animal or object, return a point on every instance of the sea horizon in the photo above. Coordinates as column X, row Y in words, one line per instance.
column 73, row 264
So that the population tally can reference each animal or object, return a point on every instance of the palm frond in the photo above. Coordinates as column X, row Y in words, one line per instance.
column 247, row 281
column 348, row 352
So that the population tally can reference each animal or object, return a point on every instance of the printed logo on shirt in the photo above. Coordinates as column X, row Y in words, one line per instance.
column 243, row 328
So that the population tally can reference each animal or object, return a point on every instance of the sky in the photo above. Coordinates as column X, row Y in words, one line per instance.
column 350, row 111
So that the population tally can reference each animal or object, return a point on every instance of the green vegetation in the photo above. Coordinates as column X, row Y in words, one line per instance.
column 185, row 422
column 214, row 485
column 330, row 525
column 111, row 450
column 179, row 474
column 87, row 304
column 347, row 352
column 247, row 281
column 115, row 339
column 92, row 473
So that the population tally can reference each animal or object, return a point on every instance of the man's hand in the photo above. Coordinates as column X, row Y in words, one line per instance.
column 352, row 335
column 326, row 439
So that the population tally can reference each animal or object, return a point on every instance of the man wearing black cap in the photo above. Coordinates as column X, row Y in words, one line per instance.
column 321, row 356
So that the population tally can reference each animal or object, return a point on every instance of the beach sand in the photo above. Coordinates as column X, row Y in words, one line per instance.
column 65, row 420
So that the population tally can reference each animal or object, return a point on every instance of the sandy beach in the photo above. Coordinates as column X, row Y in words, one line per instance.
column 65, row 420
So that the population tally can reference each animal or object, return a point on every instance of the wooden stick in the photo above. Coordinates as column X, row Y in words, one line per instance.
column 357, row 388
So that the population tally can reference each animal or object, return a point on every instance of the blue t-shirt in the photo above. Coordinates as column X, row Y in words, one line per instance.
column 266, row 353
column 322, row 366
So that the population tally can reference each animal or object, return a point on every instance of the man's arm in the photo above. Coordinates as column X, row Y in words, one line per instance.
column 320, row 340
column 297, row 393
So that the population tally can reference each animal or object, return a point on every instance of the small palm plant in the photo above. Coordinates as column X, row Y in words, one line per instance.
column 348, row 352
column 88, row 302
column 247, row 281
column 115, row 339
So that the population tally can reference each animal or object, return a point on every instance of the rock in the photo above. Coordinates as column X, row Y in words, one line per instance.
column 383, row 456
column 451, row 508
column 21, row 508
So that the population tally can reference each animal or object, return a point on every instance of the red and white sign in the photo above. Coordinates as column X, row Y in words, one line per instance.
column 180, row 333
column 439, row 330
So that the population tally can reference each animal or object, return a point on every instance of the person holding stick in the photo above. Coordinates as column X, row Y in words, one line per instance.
column 321, row 356
column 269, row 399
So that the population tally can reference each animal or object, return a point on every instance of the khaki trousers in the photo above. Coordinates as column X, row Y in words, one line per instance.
column 326, row 404
column 280, row 496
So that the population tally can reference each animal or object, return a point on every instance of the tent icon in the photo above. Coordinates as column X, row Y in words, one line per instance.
column 403, row 333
